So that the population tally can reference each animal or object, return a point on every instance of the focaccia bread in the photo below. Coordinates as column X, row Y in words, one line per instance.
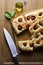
column 19, row 24
column 26, row 45
column 32, row 21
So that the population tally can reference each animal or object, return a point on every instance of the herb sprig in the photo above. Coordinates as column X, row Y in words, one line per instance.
column 10, row 15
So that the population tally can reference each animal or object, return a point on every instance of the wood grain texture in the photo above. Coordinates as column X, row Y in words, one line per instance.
column 5, row 55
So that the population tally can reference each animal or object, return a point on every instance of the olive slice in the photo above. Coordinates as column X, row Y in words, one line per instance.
column 31, row 45
column 40, row 14
column 19, row 27
column 41, row 23
column 38, row 42
column 28, row 17
column 35, row 27
column 36, row 35
column 33, row 17
column 20, row 20
column 24, row 43
column 27, row 26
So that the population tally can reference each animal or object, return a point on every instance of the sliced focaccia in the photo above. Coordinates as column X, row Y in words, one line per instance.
column 40, row 14
column 38, row 43
column 37, row 39
column 26, row 45
column 19, row 24
column 34, row 27
column 30, row 18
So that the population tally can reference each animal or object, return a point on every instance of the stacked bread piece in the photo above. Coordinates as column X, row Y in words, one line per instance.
column 34, row 23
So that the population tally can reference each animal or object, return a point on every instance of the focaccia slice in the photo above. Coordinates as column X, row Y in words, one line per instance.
column 40, row 14
column 19, row 24
column 34, row 27
column 30, row 18
column 37, row 40
column 26, row 45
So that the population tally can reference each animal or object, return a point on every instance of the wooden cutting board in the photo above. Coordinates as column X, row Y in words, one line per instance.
column 25, row 58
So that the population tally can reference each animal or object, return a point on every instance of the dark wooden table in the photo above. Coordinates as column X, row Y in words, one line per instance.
column 5, row 55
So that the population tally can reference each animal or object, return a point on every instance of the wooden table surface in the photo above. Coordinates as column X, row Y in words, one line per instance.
column 9, row 5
